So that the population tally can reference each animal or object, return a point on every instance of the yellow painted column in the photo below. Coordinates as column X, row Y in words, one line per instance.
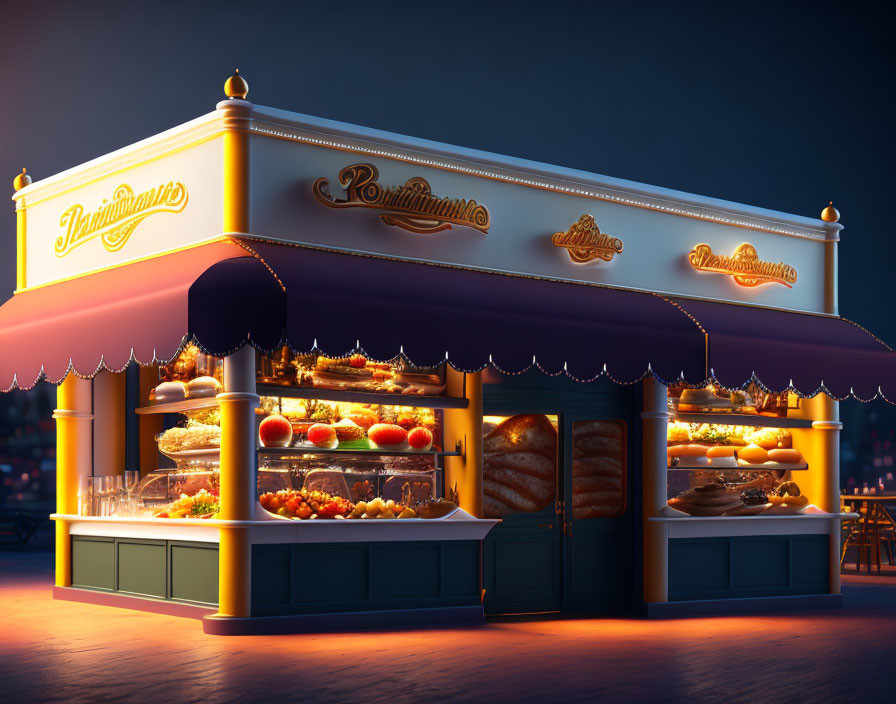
column 464, row 426
column 827, row 482
column 73, row 460
column 149, row 425
column 109, row 422
column 654, row 421
column 238, row 482
column 237, row 114
column 20, row 181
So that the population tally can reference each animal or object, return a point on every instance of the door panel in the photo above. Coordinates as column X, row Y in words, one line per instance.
column 597, row 535
column 522, row 554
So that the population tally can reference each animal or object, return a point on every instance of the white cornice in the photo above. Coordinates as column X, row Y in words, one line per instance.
column 150, row 148
column 338, row 135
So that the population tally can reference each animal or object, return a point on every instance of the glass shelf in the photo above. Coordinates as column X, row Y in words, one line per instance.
column 742, row 419
column 362, row 397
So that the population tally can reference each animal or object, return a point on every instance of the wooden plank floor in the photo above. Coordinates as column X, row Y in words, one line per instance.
column 54, row 651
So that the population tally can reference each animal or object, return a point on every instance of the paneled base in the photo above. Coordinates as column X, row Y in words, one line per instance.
column 717, row 607
column 135, row 603
column 344, row 622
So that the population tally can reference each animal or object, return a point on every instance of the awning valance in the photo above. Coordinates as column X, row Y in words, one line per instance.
column 141, row 311
column 336, row 301
column 226, row 293
column 780, row 349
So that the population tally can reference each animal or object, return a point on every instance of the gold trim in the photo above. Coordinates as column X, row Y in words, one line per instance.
column 744, row 266
column 820, row 238
column 585, row 242
column 411, row 206
column 174, row 150
column 211, row 240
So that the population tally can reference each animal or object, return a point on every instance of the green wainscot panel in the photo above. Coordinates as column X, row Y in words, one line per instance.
column 93, row 563
column 142, row 567
column 344, row 577
column 194, row 572
column 748, row 566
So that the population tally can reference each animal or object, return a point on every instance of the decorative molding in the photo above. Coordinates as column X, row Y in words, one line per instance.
column 612, row 194
column 585, row 242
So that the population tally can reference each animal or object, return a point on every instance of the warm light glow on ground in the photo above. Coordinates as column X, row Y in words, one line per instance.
column 66, row 652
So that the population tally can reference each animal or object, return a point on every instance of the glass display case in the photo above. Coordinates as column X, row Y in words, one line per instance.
column 317, row 459
column 732, row 453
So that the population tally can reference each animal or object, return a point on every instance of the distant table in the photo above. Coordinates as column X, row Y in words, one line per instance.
column 874, row 523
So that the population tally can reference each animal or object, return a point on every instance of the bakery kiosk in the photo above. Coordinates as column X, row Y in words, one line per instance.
column 312, row 376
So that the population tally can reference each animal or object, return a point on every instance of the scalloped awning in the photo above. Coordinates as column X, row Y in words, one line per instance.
column 806, row 352
column 226, row 293
column 141, row 311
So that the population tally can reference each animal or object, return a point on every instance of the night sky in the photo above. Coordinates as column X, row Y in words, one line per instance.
column 781, row 107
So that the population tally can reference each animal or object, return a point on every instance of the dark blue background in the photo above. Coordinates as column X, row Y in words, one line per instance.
column 777, row 105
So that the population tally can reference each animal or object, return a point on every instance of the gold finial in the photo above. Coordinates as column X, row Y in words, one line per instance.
column 236, row 86
column 22, row 180
column 830, row 214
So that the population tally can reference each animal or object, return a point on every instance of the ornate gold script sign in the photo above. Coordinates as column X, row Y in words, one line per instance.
column 411, row 206
column 115, row 220
column 744, row 266
column 585, row 242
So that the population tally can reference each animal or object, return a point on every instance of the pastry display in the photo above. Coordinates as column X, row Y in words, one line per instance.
column 323, row 436
column 519, row 465
column 169, row 392
column 353, row 373
column 420, row 439
column 707, row 500
column 358, row 426
column 347, row 430
column 192, row 374
column 387, row 436
column 202, row 504
column 725, row 469
column 275, row 431
column 305, row 504
column 598, row 469
column 713, row 399
column 203, row 387
column 193, row 437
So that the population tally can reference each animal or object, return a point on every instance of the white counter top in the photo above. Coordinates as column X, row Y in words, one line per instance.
column 459, row 525
column 725, row 526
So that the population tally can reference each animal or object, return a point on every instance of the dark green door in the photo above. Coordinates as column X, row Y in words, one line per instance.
column 597, row 513
column 522, row 555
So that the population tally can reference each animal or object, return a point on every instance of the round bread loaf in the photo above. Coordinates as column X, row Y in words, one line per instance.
column 523, row 433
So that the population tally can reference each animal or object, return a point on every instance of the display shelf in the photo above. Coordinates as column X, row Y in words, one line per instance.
column 741, row 419
column 767, row 467
column 214, row 453
column 362, row 397
column 292, row 451
column 190, row 404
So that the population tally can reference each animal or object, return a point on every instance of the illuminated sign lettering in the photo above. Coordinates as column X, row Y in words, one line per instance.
column 115, row 220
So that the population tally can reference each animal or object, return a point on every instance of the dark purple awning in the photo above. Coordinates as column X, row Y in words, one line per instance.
column 225, row 294
column 338, row 300
column 781, row 349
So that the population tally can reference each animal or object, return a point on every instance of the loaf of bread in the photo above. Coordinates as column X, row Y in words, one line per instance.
column 519, row 466
column 598, row 469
